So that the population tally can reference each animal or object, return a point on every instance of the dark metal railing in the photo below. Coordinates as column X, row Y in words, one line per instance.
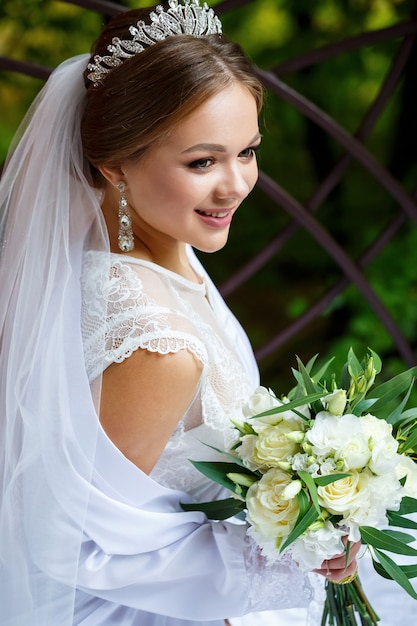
column 302, row 217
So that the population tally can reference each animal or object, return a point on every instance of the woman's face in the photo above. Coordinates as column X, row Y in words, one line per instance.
column 188, row 188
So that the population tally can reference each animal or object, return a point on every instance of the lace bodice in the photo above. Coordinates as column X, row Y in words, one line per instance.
column 149, row 307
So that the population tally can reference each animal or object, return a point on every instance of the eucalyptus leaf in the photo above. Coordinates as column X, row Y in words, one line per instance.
column 217, row 472
column 317, row 377
column 218, row 509
column 381, row 540
column 235, row 459
column 396, row 573
column 395, row 415
column 300, row 527
column 395, row 519
column 303, row 503
column 393, row 388
column 364, row 405
column 312, row 489
column 411, row 441
column 409, row 570
column 309, row 385
column 289, row 406
column 408, row 505
column 404, row 537
column 322, row 481
column 377, row 360
column 354, row 364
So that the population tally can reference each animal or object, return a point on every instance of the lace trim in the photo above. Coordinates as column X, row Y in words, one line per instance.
column 275, row 585
column 127, row 306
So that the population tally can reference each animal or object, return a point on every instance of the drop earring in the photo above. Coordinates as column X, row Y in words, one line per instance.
column 125, row 235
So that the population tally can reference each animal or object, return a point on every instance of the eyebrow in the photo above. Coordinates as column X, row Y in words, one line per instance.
column 216, row 147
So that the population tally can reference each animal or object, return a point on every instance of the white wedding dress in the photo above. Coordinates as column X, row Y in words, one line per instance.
column 193, row 580
column 152, row 308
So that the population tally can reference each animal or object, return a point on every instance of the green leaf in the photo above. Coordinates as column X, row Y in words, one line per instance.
column 217, row 472
column 303, row 504
column 320, row 374
column 300, row 527
column 364, row 405
column 289, row 406
column 410, row 442
column 322, row 481
column 377, row 361
column 393, row 388
column 404, row 537
column 235, row 459
column 354, row 364
column 395, row 415
column 345, row 378
column 408, row 505
column 381, row 540
column 395, row 519
column 309, row 385
column 218, row 509
column 408, row 416
column 312, row 489
column 396, row 573
column 409, row 570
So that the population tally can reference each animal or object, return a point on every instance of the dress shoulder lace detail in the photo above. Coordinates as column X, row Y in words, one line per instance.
column 128, row 304
column 275, row 585
column 133, row 319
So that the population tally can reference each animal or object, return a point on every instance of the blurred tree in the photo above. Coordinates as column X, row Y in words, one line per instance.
column 296, row 153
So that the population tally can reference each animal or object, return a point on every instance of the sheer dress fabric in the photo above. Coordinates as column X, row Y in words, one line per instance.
column 85, row 536
column 152, row 308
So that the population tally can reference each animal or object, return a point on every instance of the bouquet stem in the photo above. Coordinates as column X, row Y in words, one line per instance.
column 345, row 604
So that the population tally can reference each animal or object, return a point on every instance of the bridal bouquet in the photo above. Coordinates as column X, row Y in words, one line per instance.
column 333, row 459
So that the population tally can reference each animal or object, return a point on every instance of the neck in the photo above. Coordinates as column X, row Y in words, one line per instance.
column 170, row 254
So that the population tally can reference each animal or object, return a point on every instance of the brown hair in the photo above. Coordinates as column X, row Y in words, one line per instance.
column 139, row 101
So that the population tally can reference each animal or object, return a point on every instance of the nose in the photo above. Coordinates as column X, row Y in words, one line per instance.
column 236, row 182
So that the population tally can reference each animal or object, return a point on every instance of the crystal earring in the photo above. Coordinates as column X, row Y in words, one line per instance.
column 125, row 236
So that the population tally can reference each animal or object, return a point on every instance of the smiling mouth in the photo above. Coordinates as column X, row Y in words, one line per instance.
column 218, row 214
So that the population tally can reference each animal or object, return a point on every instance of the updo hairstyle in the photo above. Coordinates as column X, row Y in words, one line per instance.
column 141, row 100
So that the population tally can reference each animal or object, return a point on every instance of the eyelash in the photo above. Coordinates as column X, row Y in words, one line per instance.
column 203, row 164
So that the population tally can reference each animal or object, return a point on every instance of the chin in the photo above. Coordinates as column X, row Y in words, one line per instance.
column 211, row 249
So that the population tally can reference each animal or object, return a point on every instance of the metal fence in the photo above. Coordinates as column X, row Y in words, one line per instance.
column 302, row 215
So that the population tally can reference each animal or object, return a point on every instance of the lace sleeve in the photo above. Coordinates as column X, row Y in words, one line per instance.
column 141, row 313
column 275, row 585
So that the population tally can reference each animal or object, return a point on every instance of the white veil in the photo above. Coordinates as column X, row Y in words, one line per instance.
column 49, row 216
column 67, row 494
column 74, row 512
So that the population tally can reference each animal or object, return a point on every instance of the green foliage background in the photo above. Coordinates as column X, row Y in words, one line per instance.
column 295, row 153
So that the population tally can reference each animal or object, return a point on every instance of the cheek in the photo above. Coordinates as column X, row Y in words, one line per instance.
column 253, row 176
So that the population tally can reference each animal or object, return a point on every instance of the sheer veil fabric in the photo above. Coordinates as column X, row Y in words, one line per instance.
column 49, row 215
column 70, row 502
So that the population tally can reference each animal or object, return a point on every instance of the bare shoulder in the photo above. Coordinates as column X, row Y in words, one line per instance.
column 143, row 398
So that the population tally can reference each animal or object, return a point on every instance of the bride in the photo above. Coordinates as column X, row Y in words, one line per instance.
column 119, row 359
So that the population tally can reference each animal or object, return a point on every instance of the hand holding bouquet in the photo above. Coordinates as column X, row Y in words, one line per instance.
column 330, row 464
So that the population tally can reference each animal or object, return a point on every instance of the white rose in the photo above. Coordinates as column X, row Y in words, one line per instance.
column 330, row 434
column 324, row 467
column 263, row 400
column 335, row 402
column 272, row 445
column 314, row 546
column 376, row 494
column 260, row 401
column 345, row 495
column 407, row 467
column 382, row 444
column 355, row 452
column 246, row 452
column 268, row 512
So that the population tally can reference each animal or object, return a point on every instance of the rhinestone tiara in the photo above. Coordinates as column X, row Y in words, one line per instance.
column 188, row 18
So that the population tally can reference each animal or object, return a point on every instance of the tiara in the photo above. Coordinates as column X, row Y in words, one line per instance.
column 187, row 19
